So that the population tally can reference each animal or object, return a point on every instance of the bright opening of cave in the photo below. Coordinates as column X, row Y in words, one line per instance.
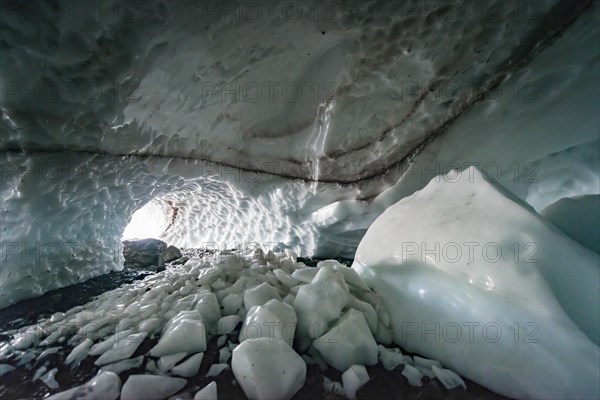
column 147, row 222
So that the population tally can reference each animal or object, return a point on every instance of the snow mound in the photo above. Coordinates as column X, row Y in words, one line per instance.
column 476, row 279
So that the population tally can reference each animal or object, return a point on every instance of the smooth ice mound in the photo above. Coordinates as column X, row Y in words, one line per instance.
column 477, row 280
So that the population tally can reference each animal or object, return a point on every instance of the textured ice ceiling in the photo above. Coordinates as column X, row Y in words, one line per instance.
column 279, row 122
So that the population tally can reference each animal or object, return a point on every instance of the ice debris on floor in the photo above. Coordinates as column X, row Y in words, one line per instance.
column 282, row 312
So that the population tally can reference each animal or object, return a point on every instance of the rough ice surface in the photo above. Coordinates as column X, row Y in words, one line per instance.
column 488, row 288
column 268, row 368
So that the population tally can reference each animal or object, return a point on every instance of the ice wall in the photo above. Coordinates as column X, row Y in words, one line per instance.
column 474, row 278
column 299, row 124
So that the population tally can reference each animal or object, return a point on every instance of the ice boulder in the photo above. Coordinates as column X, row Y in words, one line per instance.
column 122, row 349
column 104, row 386
column 275, row 320
column 189, row 367
column 319, row 303
column 476, row 279
column 208, row 392
column 259, row 295
column 151, row 387
column 353, row 378
column 268, row 369
column 348, row 342
column 184, row 333
column 208, row 307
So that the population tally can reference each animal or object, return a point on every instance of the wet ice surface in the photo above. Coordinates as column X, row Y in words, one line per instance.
column 128, row 309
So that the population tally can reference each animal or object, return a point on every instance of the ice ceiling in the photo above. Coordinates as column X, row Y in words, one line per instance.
column 285, row 123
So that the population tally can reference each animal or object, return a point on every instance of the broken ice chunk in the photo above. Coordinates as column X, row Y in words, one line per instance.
column 189, row 367
column 332, row 386
column 349, row 342
column 259, row 295
column 208, row 392
column 151, row 387
column 6, row 368
column 105, row 386
column 275, row 320
column 449, row 379
column 227, row 324
column 107, row 344
column 353, row 378
column 208, row 307
column 122, row 349
column 123, row 365
column 216, row 369
column 268, row 369
column 79, row 353
column 232, row 303
column 48, row 378
column 413, row 375
column 390, row 358
column 182, row 334
column 165, row 363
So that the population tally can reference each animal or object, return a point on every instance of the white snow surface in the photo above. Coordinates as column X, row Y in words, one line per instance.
column 475, row 278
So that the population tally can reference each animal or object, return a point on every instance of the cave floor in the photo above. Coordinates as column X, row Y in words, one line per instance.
column 18, row 384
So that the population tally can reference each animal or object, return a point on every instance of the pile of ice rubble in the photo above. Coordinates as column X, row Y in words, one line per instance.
column 292, row 315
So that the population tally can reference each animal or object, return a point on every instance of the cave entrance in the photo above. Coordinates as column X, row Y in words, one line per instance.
column 149, row 221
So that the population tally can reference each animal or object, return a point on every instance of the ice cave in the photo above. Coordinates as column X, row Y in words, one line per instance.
column 290, row 199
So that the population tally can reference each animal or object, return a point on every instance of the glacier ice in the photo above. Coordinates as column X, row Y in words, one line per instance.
column 268, row 368
column 476, row 279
